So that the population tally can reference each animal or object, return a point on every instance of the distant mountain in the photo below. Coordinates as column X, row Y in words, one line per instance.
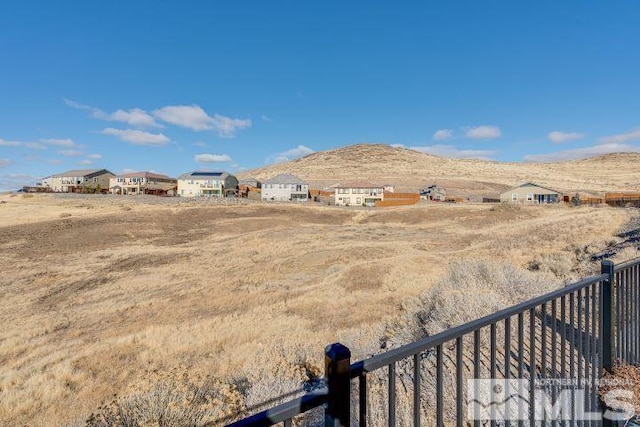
column 411, row 170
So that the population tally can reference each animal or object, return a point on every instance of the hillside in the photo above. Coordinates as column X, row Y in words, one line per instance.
column 411, row 170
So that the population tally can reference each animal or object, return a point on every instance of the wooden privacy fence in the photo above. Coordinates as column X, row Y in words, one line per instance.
column 575, row 333
column 398, row 199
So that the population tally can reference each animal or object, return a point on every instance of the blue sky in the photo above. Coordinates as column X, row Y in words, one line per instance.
column 177, row 86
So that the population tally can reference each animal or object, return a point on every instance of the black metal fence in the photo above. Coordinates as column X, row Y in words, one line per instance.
column 573, row 333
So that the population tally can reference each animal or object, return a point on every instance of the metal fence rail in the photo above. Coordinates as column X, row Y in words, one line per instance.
column 572, row 333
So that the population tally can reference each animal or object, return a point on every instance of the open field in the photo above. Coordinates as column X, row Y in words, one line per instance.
column 99, row 291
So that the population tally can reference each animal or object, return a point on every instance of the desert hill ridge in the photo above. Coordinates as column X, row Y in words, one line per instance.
column 410, row 170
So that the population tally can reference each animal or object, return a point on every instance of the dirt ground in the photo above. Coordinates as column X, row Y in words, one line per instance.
column 98, row 290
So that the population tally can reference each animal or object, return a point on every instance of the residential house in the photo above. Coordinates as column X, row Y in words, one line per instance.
column 207, row 184
column 143, row 183
column 433, row 192
column 78, row 180
column 250, row 182
column 358, row 194
column 285, row 187
column 530, row 193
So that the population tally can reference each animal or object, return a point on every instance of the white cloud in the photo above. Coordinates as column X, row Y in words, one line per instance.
column 14, row 181
column 5, row 162
column 199, row 144
column 195, row 118
column 137, row 137
column 622, row 137
column 292, row 153
column 94, row 156
column 4, row 143
column 579, row 153
column 227, row 127
column 134, row 117
column 35, row 146
column 442, row 135
column 85, row 162
column 455, row 153
column 187, row 116
column 266, row 119
column 59, row 142
column 70, row 153
column 483, row 132
column 77, row 105
column 558, row 137
column 212, row 158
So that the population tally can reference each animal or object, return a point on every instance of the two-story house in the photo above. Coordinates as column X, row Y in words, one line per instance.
column 78, row 180
column 358, row 194
column 207, row 184
column 142, row 183
column 285, row 187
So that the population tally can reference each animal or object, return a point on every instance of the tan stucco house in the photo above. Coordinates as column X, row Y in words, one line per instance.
column 358, row 194
column 142, row 183
column 530, row 193
column 78, row 180
column 207, row 184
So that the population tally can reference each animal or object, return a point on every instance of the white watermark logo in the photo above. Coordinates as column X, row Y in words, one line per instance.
column 547, row 399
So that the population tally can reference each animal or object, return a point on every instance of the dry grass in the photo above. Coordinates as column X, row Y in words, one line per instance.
column 245, row 296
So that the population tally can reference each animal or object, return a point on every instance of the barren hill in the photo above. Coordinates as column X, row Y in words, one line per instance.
column 411, row 170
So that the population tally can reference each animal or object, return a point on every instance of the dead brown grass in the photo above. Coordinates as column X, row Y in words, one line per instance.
column 246, row 294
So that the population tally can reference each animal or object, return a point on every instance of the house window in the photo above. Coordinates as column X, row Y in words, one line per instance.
column 358, row 200
column 514, row 197
column 529, row 197
column 353, row 191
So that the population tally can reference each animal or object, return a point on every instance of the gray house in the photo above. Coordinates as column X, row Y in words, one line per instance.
column 530, row 193
column 285, row 187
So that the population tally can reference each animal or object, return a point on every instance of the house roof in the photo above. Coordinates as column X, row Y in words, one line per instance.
column 82, row 172
column 284, row 178
column 204, row 175
column 247, row 181
column 535, row 185
column 359, row 184
column 148, row 175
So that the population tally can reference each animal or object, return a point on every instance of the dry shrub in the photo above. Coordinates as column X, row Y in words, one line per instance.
column 627, row 254
column 470, row 290
column 560, row 264
column 623, row 377
column 174, row 399
column 284, row 370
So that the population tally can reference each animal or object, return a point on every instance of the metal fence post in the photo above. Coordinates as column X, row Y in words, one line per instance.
column 607, row 332
column 337, row 365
